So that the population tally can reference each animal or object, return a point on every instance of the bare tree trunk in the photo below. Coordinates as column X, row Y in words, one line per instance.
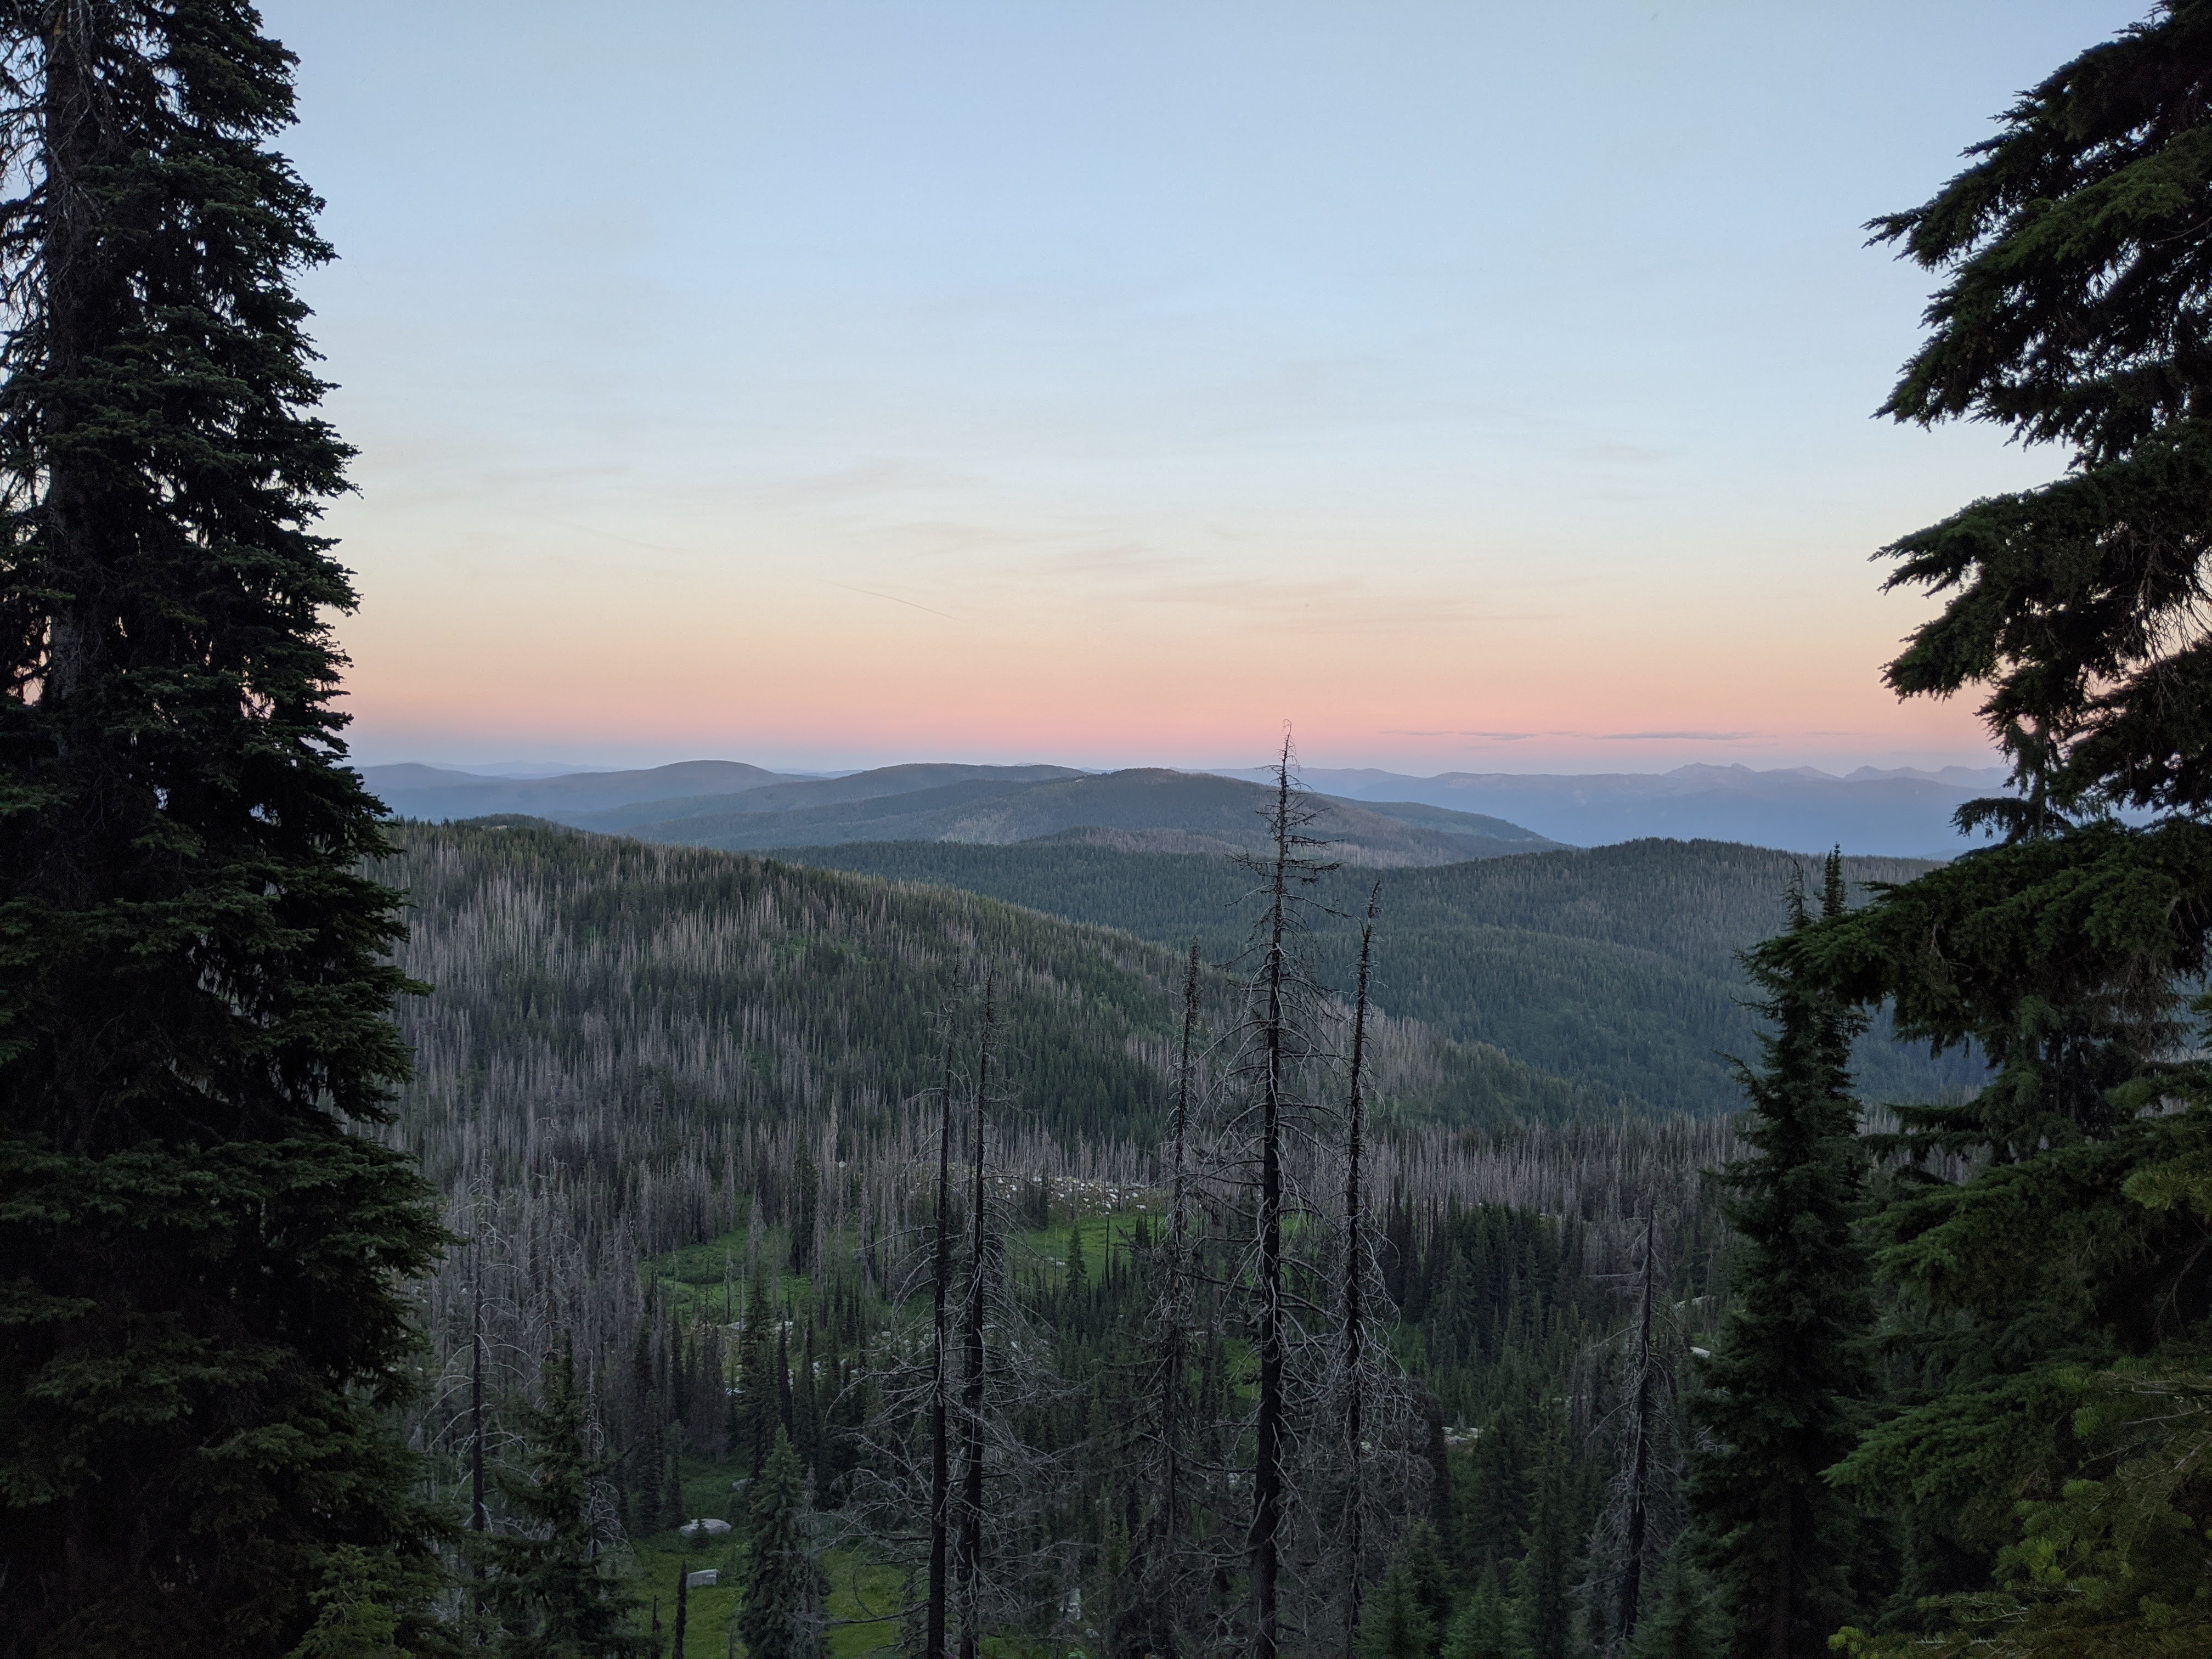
column 1639, row 1451
column 479, row 1519
column 1174, row 1358
column 1355, row 1247
column 970, row 1560
column 1264, row 1538
column 71, row 146
column 940, row 1485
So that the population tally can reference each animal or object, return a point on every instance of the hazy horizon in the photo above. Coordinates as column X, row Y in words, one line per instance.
column 529, row 769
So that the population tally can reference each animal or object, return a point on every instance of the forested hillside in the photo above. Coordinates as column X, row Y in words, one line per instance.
column 630, row 1038
column 1149, row 806
column 1615, row 966
column 666, row 1092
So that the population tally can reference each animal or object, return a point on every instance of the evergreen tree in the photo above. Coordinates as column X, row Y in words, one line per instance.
column 1420, row 1552
column 1544, row 1580
column 1680, row 1623
column 1485, row 1627
column 1778, row 1538
column 807, row 1179
column 757, row 1409
column 1502, row 1483
column 1395, row 1625
column 2076, row 263
column 1078, row 1281
column 206, row 1313
column 550, row 1593
column 781, row 1586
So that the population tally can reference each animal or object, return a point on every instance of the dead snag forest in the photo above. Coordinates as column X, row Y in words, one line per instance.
column 942, row 1192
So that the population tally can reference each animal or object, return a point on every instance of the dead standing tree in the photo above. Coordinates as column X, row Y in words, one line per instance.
column 1644, row 1513
column 1283, row 1010
column 940, row 1288
column 1165, row 1611
column 1356, row 1309
column 945, row 1477
column 1367, row 1472
column 975, row 1358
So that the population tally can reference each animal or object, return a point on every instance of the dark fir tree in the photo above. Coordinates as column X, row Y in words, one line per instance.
column 781, row 1588
column 206, row 1308
column 1396, row 1622
column 550, row 1591
column 2075, row 310
column 1486, row 1626
column 1782, row 1387
column 1545, row 1579
column 1681, row 1625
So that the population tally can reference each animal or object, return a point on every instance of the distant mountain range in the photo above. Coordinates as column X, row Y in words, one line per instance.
column 723, row 804
column 1378, row 817
column 1901, row 812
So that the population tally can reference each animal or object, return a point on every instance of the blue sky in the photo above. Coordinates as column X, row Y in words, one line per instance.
column 1478, row 386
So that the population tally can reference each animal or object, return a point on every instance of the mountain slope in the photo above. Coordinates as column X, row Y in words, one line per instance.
column 411, row 791
column 1615, row 966
column 1221, row 813
column 802, row 794
column 615, row 986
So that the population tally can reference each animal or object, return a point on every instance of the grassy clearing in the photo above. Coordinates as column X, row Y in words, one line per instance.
column 857, row 1588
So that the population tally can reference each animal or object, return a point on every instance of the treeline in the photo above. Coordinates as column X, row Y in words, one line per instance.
column 1615, row 966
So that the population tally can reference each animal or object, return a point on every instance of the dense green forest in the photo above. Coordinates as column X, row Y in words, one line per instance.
column 1615, row 966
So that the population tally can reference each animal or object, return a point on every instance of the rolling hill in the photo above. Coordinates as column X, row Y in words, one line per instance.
column 412, row 791
column 1613, row 966
column 1144, row 808
column 616, row 996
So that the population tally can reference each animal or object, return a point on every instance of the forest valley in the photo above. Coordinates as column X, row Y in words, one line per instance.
column 1298, row 1369
column 417, row 1240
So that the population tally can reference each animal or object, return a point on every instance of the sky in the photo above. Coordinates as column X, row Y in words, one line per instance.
column 1476, row 386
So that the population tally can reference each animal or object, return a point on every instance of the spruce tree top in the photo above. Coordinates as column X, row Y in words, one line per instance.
column 184, row 946
column 2077, row 310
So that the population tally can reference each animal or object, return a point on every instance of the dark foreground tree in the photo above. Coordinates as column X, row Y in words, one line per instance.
column 201, row 1267
column 1783, row 1386
column 2075, row 310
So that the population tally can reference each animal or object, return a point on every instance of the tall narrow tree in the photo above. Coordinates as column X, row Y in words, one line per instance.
column 973, row 1384
column 940, row 1285
column 1158, row 1616
column 1778, row 1538
column 1278, row 996
column 781, row 1588
column 551, row 1591
column 1352, row 1330
column 207, row 1302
